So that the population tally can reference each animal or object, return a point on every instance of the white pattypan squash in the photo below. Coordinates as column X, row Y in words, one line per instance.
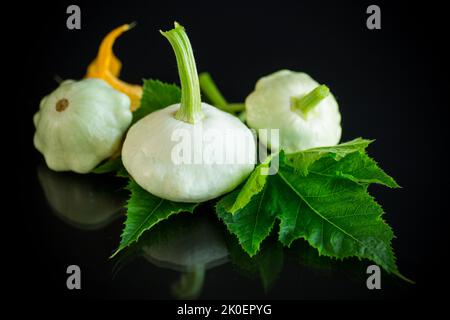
column 148, row 151
column 306, row 115
column 80, row 124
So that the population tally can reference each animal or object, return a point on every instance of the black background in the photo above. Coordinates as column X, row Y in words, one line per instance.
column 391, row 85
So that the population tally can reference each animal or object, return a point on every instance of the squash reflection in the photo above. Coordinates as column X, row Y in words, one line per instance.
column 87, row 202
column 187, row 243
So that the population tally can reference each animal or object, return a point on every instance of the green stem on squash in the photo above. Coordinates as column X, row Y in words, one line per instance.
column 191, row 104
column 211, row 91
column 235, row 107
column 310, row 100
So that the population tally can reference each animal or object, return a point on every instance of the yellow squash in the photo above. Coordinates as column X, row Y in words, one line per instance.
column 107, row 66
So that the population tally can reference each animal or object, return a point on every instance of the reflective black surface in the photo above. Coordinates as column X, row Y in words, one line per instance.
column 390, row 85
column 188, row 256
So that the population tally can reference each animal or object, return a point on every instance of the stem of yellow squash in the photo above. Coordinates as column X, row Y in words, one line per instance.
column 107, row 66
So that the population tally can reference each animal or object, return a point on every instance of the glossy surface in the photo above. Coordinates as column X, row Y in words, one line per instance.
column 188, row 256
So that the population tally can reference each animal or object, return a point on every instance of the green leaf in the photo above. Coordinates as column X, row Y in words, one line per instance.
column 251, row 224
column 239, row 257
column 319, row 195
column 302, row 160
column 254, row 185
column 110, row 165
column 156, row 95
column 336, row 216
column 145, row 210
column 122, row 172
column 358, row 167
